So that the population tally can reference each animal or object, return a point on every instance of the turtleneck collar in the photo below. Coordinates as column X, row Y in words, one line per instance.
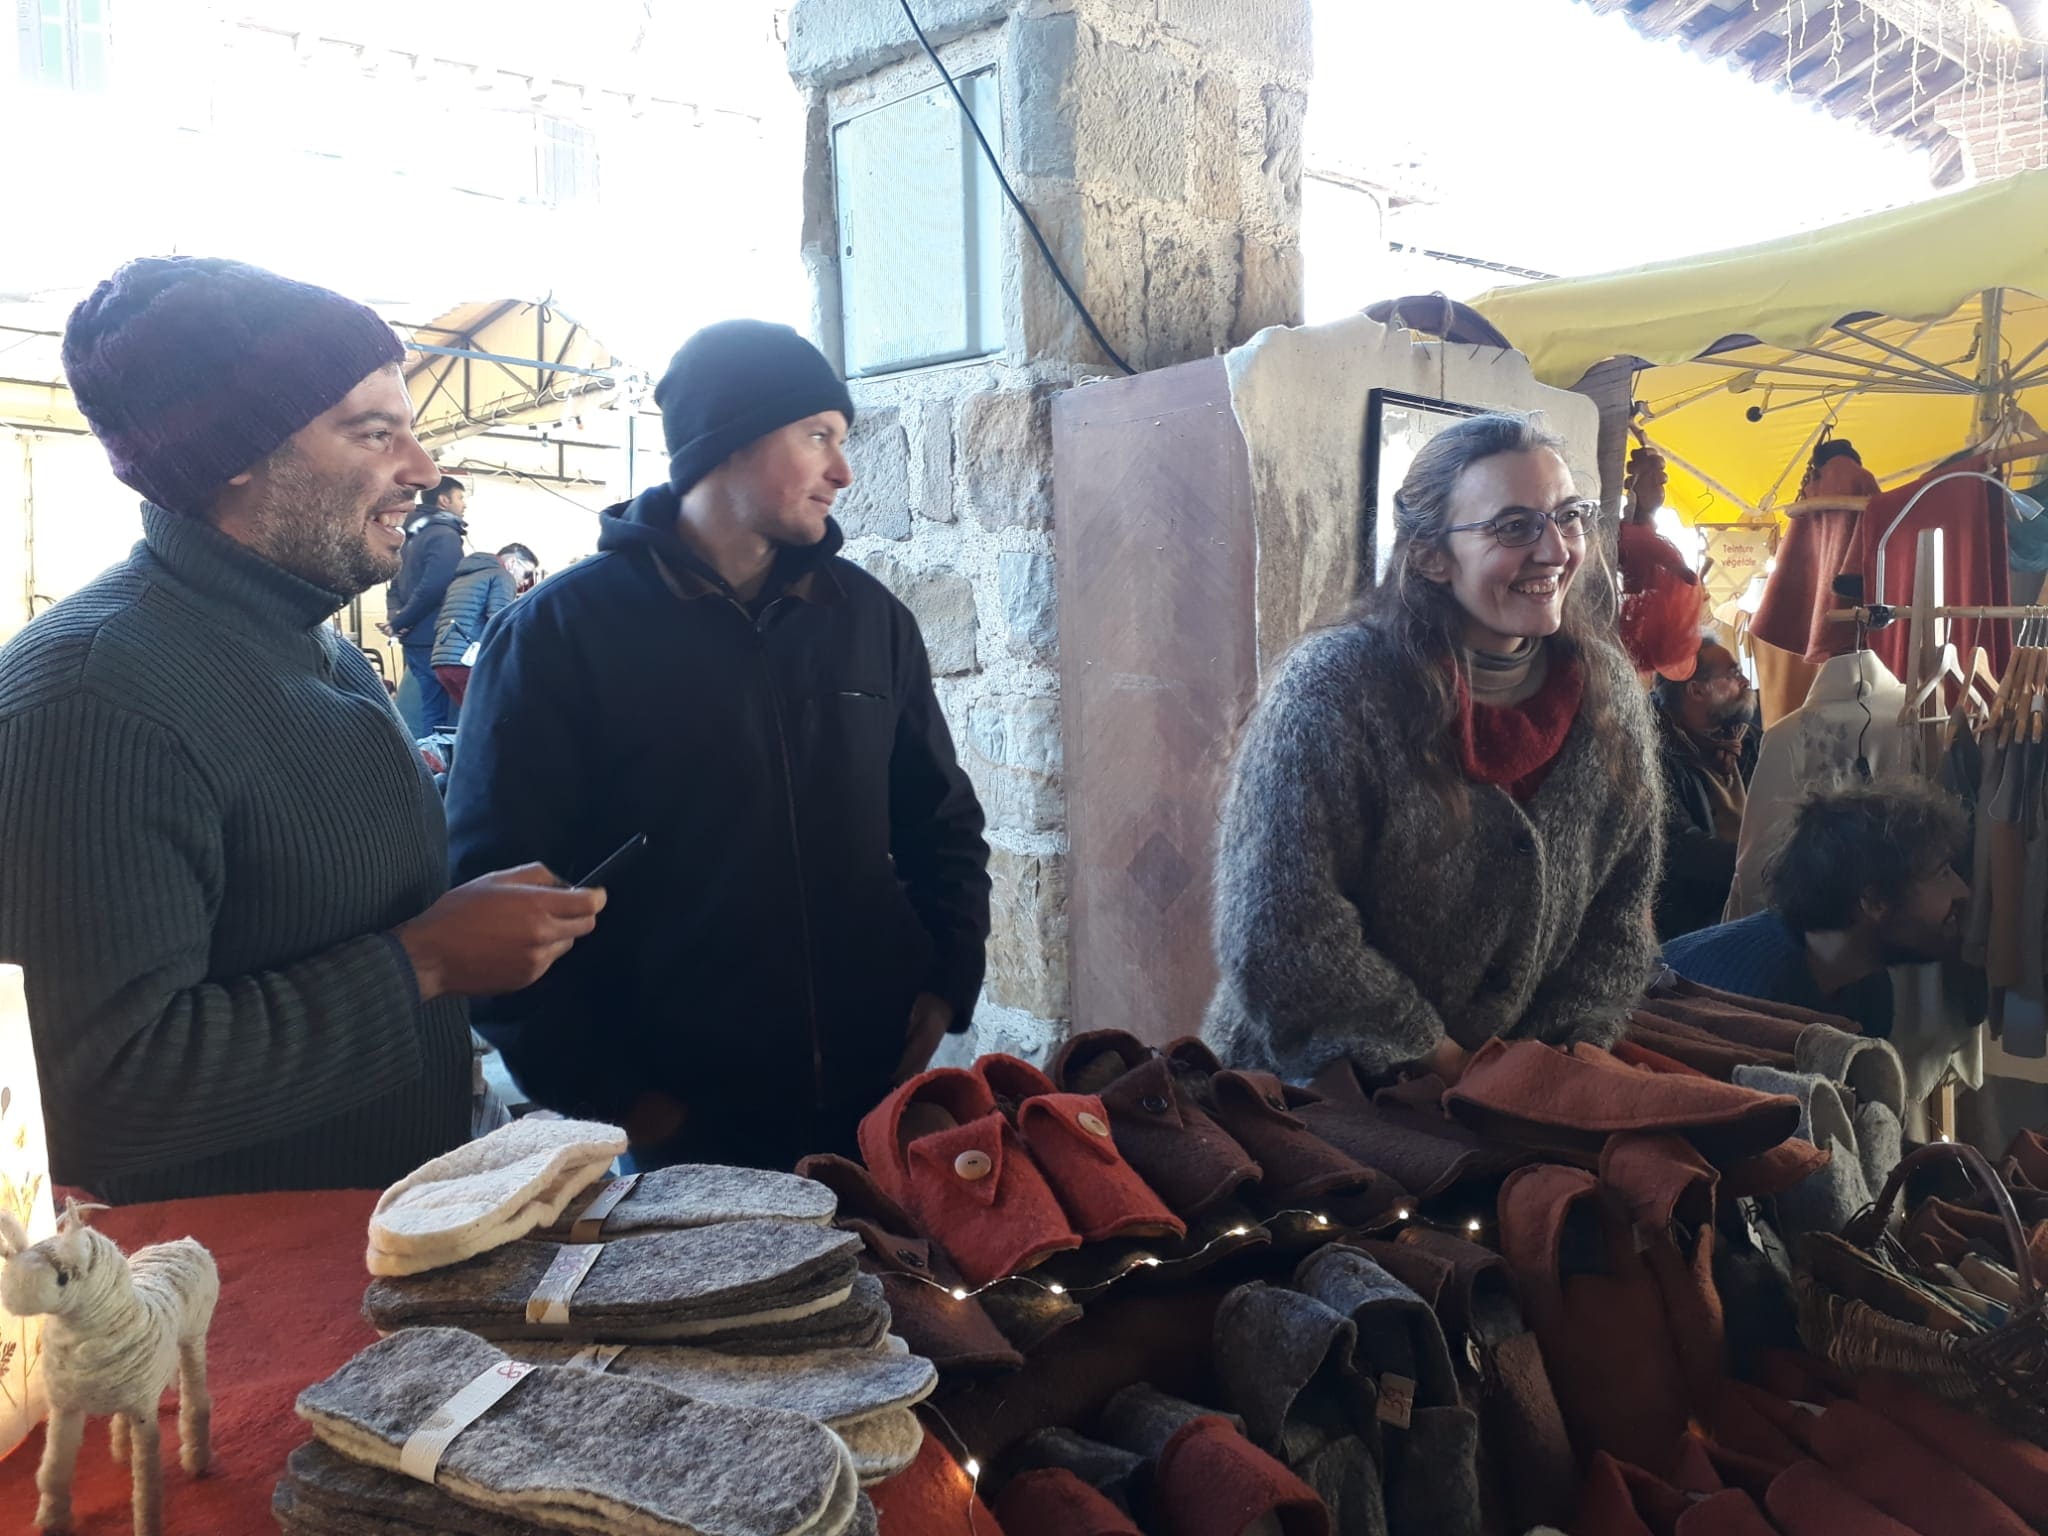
column 1505, row 680
column 239, row 580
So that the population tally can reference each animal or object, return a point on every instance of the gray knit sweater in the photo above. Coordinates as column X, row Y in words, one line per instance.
column 1349, row 924
column 210, row 819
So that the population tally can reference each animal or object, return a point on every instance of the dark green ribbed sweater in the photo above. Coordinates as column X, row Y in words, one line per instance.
column 210, row 820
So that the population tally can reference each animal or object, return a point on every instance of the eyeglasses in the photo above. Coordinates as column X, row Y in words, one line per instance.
column 1519, row 527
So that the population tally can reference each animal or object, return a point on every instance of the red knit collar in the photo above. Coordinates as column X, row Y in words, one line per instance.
column 1514, row 746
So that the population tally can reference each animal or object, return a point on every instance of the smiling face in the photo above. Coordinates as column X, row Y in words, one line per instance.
column 782, row 486
column 330, row 506
column 1508, row 595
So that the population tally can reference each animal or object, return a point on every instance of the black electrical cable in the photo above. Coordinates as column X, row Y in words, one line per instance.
column 1023, row 213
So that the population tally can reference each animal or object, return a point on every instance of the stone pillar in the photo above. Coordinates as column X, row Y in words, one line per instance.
column 1158, row 143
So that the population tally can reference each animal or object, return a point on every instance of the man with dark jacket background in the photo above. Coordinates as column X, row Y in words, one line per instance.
column 1707, row 746
column 811, row 913
column 483, row 587
column 433, row 550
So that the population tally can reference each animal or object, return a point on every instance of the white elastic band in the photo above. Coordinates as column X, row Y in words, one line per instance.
column 421, row 1454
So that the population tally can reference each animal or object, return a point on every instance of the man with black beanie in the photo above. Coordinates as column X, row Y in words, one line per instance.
column 811, row 912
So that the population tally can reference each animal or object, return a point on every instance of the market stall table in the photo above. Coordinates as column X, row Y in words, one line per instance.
column 291, row 1291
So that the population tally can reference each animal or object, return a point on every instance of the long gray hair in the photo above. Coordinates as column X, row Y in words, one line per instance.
column 1425, row 623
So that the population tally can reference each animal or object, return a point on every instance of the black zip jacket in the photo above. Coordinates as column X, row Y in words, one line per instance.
column 816, row 857
column 433, row 548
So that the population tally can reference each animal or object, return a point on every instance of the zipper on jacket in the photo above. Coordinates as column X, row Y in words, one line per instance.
column 796, row 849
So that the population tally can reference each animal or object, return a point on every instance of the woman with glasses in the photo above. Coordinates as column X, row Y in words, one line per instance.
column 1443, row 823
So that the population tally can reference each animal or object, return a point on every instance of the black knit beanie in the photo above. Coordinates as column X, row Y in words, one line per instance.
column 734, row 382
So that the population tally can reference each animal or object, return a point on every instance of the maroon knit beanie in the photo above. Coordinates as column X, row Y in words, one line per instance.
column 191, row 369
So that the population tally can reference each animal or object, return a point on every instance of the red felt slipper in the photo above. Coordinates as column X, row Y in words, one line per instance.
column 940, row 1148
column 1069, row 1137
column 1173, row 1143
column 1054, row 1502
column 1211, row 1481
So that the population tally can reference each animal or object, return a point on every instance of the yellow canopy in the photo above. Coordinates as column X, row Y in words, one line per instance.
column 1874, row 329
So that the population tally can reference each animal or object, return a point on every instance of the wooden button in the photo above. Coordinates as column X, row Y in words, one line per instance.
column 1092, row 1124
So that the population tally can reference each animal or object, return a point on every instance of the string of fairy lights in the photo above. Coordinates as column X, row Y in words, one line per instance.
column 1405, row 1215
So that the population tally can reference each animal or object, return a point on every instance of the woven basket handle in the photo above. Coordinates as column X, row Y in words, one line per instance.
column 1866, row 1227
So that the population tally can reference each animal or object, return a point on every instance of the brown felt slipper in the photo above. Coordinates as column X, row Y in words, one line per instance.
column 663, row 1285
column 563, row 1447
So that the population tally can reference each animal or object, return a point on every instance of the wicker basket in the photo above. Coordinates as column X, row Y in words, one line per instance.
column 2002, row 1375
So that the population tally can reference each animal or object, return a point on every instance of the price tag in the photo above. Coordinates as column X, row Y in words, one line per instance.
column 548, row 1306
column 590, row 1222
column 1397, row 1401
column 421, row 1454
column 598, row 1357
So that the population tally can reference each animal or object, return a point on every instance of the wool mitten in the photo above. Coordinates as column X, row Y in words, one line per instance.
column 697, row 1195
column 663, row 1285
column 487, row 1192
column 562, row 1447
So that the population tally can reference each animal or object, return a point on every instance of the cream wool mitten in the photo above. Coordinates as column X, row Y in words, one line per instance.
column 491, row 1190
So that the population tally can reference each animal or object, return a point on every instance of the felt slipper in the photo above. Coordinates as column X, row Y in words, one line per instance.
column 1428, row 1441
column 695, row 1195
column 1829, row 1199
column 940, row 1148
column 2014, row 1469
column 1051, row 1501
column 331, row 1492
column 1070, row 1140
column 487, row 1192
column 1598, row 1313
column 1663, row 1187
column 663, row 1285
column 837, row 1387
column 1526, row 1467
column 1263, row 1113
column 1123, row 1477
column 550, row 1449
column 1173, row 1143
column 1211, row 1481
column 1915, row 1486
column 934, row 1496
column 1142, row 1419
column 917, row 1279
column 1571, row 1101
column 1808, row 1500
column 1408, row 1142
column 1028, row 1312
column 1285, row 1363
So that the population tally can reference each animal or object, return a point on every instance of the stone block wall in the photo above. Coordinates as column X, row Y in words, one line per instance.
column 1158, row 145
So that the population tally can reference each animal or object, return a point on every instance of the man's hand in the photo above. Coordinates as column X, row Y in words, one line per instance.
column 498, row 933
column 1645, row 481
column 384, row 628
column 930, row 1017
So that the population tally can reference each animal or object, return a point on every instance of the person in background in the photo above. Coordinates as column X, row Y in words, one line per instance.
column 524, row 566
column 810, row 914
column 412, row 604
column 223, row 868
column 1863, row 881
column 1444, row 822
column 484, row 586
column 1707, row 746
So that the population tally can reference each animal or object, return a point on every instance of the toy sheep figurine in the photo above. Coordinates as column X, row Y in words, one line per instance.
column 120, row 1328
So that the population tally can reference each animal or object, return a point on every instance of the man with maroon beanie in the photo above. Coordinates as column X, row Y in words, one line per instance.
column 222, row 866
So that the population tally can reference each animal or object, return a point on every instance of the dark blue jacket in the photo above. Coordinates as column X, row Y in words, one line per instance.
column 816, row 857
column 433, row 548
column 481, row 588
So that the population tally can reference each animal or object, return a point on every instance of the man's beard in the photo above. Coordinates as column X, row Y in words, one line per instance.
column 317, row 529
